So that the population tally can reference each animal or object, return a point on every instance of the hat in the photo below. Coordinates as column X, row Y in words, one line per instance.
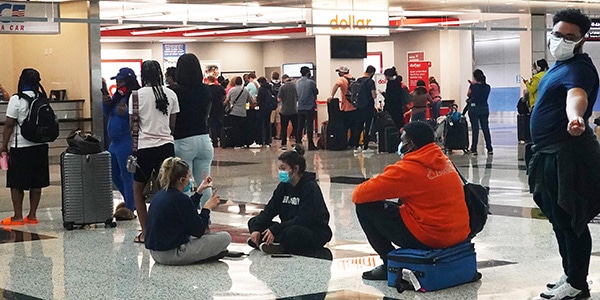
column 343, row 69
column 124, row 73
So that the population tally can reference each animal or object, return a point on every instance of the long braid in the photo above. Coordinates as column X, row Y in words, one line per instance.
column 152, row 75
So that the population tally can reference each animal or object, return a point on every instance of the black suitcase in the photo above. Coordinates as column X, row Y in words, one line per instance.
column 523, row 131
column 457, row 135
column 383, row 119
column 336, row 135
column 226, row 141
column 389, row 139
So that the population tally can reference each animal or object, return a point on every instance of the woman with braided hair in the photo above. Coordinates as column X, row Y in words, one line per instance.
column 157, row 111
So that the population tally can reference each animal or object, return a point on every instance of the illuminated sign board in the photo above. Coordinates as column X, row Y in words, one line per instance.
column 349, row 22
column 15, row 18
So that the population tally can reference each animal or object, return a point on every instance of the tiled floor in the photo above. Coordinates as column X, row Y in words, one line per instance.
column 516, row 252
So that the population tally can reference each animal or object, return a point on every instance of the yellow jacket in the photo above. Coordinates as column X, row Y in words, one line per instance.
column 532, row 87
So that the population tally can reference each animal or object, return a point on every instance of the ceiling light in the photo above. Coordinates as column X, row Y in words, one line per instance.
column 145, row 15
column 156, row 31
column 240, row 40
column 177, row 41
column 110, row 40
column 270, row 37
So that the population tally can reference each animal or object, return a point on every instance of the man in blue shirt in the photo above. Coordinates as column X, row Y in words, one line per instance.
column 563, row 174
column 307, row 102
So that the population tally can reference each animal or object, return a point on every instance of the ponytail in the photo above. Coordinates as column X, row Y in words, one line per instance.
column 171, row 170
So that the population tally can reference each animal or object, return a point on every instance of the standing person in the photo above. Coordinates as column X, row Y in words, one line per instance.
column 275, row 117
column 563, row 172
column 216, row 117
column 307, row 103
column 424, row 218
column 288, row 97
column 116, row 109
column 28, row 164
column 177, row 234
column 263, row 124
column 434, row 92
column 192, row 141
column 170, row 79
column 238, row 96
column 157, row 113
column 394, row 93
column 252, row 114
column 479, row 111
column 538, row 70
column 299, row 203
column 420, row 99
column 4, row 96
column 367, row 95
column 348, row 110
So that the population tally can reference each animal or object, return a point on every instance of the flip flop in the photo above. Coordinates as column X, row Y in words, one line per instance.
column 9, row 222
column 138, row 239
column 27, row 220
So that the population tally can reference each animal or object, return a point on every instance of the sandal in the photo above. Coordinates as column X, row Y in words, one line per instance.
column 27, row 220
column 138, row 238
column 9, row 222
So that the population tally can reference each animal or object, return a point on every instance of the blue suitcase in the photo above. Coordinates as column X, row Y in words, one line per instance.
column 432, row 269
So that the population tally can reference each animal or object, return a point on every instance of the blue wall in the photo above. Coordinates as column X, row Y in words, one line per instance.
column 505, row 99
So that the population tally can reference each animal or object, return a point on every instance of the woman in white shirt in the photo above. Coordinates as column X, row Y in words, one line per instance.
column 157, row 111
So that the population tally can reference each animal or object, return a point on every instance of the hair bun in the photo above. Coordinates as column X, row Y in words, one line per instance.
column 299, row 149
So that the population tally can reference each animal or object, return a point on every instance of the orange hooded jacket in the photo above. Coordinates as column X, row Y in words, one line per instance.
column 433, row 201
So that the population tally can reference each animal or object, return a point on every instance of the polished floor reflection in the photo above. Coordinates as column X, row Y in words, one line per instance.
column 516, row 251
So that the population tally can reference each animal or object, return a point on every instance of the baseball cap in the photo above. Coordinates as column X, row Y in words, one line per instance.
column 124, row 73
column 343, row 69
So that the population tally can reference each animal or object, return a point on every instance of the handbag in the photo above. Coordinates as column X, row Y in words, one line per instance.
column 83, row 143
column 229, row 106
column 152, row 187
column 476, row 196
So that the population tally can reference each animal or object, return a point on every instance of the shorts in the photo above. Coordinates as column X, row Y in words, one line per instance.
column 275, row 118
column 28, row 168
column 151, row 159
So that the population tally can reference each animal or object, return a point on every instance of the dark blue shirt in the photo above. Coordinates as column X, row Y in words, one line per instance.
column 172, row 218
column 549, row 118
column 479, row 94
column 194, row 106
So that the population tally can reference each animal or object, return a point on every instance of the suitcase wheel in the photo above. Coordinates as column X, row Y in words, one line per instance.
column 68, row 225
column 110, row 224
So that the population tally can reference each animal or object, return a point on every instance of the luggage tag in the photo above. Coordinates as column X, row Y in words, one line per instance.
column 409, row 276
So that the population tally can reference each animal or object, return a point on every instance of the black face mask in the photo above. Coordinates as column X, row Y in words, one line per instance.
column 341, row 74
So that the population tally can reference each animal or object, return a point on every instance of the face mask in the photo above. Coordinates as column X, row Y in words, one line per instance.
column 189, row 187
column 284, row 176
column 560, row 49
column 402, row 149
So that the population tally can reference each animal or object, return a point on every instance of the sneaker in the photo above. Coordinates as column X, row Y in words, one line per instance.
column 254, row 145
column 357, row 150
column 273, row 248
column 237, row 147
column 379, row 273
column 559, row 282
column 473, row 152
column 564, row 292
column 368, row 150
column 284, row 147
column 251, row 243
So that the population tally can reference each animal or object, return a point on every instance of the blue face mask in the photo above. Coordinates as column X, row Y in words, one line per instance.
column 284, row 176
column 402, row 149
column 188, row 187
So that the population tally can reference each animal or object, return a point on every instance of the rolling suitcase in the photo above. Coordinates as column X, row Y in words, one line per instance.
column 430, row 270
column 523, row 131
column 336, row 136
column 457, row 135
column 389, row 139
column 87, row 196
column 226, row 141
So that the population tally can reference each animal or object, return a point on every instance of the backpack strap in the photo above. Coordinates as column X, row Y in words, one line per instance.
column 135, row 125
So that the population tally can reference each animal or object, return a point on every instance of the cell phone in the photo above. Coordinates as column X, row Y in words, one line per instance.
column 280, row 255
column 104, row 91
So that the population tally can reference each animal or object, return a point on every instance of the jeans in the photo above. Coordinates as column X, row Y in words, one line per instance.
column 198, row 152
column 215, row 124
column 119, row 149
column 383, row 225
column 352, row 122
column 306, row 119
column 418, row 116
column 263, row 125
column 435, row 109
column 285, row 119
column 479, row 115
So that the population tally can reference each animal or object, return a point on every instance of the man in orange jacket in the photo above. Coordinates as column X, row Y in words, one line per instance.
column 431, row 212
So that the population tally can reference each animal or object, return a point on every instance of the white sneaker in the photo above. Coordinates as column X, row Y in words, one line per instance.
column 254, row 145
column 564, row 292
column 368, row 150
column 559, row 282
column 237, row 148
column 357, row 150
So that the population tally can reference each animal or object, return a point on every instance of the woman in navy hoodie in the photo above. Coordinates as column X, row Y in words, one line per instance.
column 115, row 108
column 299, row 203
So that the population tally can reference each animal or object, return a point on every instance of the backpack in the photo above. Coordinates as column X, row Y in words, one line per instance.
column 272, row 101
column 275, row 87
column 40, row 124
column 354, row 88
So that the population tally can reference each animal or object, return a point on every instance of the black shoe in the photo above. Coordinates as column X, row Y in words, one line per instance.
column 379, row 273
column 252, row 244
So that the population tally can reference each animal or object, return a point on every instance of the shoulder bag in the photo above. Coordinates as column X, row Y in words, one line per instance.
column 229, row 106
column 476, row 196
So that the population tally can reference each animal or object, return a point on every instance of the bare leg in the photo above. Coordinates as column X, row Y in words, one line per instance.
column 17, row 196
column 34, row 200
column 140, row 205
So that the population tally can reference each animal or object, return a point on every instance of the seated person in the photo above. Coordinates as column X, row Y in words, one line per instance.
column 175, row 233
column 299, row 203
column 431, row 212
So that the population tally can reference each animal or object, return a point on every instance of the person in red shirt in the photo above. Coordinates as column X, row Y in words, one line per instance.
column 430, row 213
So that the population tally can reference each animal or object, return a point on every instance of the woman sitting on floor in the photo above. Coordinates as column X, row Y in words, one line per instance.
column 175, row 233
column 299, row 202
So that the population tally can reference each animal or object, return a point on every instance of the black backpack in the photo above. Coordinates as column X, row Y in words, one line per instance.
column 354, row 88
column 41, row 124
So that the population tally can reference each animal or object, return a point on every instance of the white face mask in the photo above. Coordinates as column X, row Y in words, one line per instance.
column 561, row 49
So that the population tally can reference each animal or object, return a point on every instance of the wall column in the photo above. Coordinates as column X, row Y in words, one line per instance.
column 95, row 70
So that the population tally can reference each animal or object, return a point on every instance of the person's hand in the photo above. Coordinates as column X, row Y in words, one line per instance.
column 207, row 182
column 122, row 108
column 106, row 99
column 329, row 99
column 3, row 149
column 469, row 81
column 255, row 237
column 268, row 237
column 213, row 201
column 576, row 126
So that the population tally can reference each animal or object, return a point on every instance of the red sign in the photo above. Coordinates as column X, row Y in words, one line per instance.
column 417, row 70
column 415, row 56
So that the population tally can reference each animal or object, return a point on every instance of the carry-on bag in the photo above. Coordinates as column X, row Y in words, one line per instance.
column 87, row 196
column 456, row 136
column 430, row 270
column 389, row 139
column 523, row 131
